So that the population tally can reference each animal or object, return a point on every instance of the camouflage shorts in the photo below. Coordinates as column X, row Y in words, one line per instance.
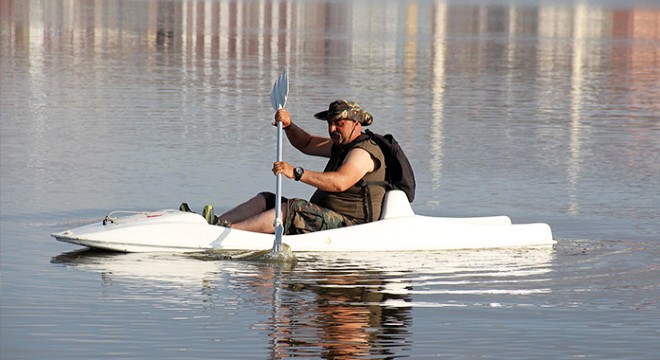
column 303, row 216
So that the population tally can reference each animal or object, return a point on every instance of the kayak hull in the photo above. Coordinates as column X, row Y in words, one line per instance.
column 398, row 230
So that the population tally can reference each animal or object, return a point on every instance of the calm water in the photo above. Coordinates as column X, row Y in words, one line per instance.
column 547, row 113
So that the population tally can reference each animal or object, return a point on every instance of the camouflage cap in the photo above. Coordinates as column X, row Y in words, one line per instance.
column 344, row 109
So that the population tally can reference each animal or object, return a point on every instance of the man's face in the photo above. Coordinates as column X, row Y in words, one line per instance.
column 341, row 130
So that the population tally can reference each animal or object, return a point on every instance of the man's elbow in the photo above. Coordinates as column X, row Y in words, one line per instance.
column 339, row 187
column 334, row 188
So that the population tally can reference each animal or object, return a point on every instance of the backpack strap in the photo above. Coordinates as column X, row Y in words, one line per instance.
column 366, row 201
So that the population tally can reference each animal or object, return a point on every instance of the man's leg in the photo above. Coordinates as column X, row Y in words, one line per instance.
column 256, row 214
column 262, row 223
column 246, row 210
column 304, row 217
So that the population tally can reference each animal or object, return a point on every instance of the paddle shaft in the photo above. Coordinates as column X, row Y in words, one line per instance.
column 278, row 98
column 279, row 226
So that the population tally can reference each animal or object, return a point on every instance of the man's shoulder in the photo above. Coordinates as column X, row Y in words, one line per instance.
column 369, row 145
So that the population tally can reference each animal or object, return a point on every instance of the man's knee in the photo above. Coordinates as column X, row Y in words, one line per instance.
column 269, row 198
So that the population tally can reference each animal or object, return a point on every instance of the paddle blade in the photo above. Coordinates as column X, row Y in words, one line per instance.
column 283, row 257
column 284, row 87
column 280, row 91
column 273, row 97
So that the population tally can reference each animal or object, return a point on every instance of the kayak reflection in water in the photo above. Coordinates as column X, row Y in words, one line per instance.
column 339, row 199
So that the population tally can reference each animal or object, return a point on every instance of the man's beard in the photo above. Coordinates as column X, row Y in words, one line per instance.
column 337, row 136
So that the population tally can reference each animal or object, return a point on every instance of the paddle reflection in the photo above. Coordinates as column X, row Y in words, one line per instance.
column 350, row 305
column 340, row 312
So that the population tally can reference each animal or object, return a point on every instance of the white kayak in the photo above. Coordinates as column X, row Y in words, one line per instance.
column 399, row 229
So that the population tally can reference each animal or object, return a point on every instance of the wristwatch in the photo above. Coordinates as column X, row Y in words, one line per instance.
column 298, row 173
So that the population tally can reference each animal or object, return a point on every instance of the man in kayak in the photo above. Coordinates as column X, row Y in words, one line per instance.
column 339, row 200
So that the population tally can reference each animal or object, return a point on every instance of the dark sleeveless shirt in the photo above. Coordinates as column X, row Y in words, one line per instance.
column 352, row 203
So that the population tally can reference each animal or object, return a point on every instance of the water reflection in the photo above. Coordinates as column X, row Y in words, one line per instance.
column 199, row 31
column 439, row 54
column 523, row 61
column 330, row 313
column 577, row 93
column 339, row 314
column 330, row 305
